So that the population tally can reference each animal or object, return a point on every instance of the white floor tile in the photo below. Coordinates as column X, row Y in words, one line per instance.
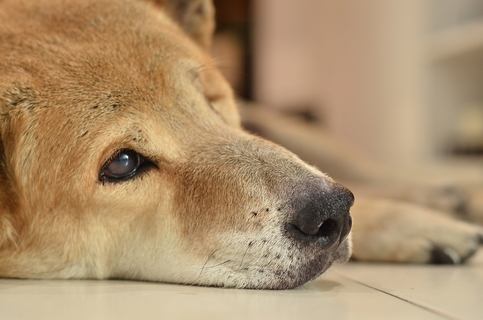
column 455, row 291
column 354, row 291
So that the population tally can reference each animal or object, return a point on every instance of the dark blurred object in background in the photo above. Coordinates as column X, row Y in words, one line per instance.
column 232, row 43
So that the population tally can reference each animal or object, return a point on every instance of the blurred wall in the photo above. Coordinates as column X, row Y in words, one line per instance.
column 362, row 64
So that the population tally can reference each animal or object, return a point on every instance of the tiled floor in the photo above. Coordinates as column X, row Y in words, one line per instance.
column 353, row 291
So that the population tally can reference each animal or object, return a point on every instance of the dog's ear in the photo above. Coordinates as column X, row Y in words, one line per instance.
column 196, row 18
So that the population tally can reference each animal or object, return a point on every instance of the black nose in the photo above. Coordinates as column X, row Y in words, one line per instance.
column 323, row 215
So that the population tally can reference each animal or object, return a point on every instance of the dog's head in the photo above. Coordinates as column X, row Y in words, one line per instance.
column 122, row 156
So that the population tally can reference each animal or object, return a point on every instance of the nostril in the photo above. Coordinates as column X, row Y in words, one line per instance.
column 308, row 230
column 327, row 228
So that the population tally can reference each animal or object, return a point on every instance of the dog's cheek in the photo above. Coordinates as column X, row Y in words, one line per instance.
column 138, row 210
column 219, row 201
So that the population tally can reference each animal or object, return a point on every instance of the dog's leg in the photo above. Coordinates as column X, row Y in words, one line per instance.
column 450, row 200
column 396, row 231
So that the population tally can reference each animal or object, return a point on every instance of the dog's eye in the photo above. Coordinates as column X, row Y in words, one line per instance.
column 125, row 165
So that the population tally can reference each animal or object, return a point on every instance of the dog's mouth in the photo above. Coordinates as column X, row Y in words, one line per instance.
column 274, row 262
column 312, row 265
column 272, row 270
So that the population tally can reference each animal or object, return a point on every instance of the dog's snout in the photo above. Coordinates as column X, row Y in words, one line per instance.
column 324, row 216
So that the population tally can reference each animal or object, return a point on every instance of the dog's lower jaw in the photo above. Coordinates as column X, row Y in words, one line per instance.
column 275, row 275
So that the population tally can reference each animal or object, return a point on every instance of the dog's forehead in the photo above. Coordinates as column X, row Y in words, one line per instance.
column 85, row 56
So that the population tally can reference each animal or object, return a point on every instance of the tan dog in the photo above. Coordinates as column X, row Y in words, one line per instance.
column 122, row 156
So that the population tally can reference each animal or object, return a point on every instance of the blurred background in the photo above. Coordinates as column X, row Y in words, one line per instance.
column 399, row 80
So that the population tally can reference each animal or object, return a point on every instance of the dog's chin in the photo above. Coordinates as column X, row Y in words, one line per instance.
column 315, row 268
column 308, row 265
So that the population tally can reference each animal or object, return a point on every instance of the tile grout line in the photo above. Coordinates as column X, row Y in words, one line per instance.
column 432, row 310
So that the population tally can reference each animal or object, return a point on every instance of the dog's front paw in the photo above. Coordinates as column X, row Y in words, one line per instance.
column 395, row 231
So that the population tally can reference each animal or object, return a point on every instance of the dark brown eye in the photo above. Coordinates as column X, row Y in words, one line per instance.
column 123, row 166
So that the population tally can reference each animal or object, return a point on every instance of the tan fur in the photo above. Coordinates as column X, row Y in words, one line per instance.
column 397, row 231
column 196, row 17
column 82, row 79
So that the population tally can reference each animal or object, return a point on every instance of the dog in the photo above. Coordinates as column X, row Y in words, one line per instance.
column 123, row 156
